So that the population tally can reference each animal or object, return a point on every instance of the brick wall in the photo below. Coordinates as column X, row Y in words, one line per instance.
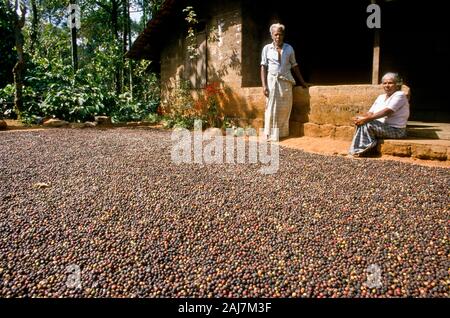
column 331, row 108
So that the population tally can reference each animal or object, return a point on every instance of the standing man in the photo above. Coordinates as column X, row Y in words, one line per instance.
column 277, row 61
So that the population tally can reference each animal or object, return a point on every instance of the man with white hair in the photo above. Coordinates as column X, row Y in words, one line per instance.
column 386, row 118
column 277, row 61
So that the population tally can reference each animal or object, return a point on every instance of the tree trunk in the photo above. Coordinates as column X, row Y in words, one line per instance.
column 19, row 67
column 34, row 26
column 115, row 6
column 130, row 62
column 124, row 40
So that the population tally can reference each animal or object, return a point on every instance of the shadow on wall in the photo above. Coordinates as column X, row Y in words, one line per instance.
column 242, row 105
column 232, row 63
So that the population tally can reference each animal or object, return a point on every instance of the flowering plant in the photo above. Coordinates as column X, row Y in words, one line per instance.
column 212, row 94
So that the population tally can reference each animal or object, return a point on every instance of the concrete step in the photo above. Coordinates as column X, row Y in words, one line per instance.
column 427, row 130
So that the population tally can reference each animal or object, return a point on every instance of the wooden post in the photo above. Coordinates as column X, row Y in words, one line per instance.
column 376, row 55
column 376, row 58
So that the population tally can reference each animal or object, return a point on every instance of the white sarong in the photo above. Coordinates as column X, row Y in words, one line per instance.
column 279, row 106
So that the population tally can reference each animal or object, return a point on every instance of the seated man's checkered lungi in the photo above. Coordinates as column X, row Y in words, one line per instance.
column 366, row 136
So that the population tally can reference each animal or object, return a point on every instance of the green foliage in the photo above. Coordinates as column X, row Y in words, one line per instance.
column 191, row 38
column 73, row 103
column 50, row 86
column 228, row 123
column 147, row 85
column 180, row 102
column 30, row 100
column 54, row 11
column 153, row 118
column 128, row 110
column 181, row 121
column 6, row 101
column 7, row 53
column 182, row 110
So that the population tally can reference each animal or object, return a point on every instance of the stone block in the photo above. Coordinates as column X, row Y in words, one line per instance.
column 90, row 124
column 311, row 130
column 315, row 130
column 54, row 122
column 395, row 149
column 338, row 99
column 336, row 105
column 317, row 100
column 429, row 152
column 327, row 130
column 342, row 117
column 77, row 125
column 344, row 133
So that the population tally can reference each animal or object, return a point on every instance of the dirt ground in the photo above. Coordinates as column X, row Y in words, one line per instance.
column 325, row 146
column 335, row 147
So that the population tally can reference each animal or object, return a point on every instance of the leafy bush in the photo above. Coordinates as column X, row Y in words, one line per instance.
column 153, row 118
column 128, row 109
column 73, row 103
column 30, row 102
column 6, row 101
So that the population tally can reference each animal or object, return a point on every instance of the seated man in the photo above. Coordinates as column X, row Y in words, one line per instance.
column 386, row 118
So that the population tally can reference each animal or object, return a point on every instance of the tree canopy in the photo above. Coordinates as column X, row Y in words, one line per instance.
column 104, row 83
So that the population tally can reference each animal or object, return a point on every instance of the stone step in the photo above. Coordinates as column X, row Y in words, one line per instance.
column 426, row 130
column 426, row 141
column 425, row 149
column 416, row 130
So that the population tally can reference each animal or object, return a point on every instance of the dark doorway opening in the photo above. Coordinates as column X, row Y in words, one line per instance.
column 331, row 40
column 416, row 43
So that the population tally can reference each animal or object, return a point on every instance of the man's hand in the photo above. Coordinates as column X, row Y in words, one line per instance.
column 266, row 91
column 360, row 120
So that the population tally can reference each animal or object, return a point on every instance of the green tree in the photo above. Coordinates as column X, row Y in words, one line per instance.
column 7, row 54
column 17, row 11
column 49, row 85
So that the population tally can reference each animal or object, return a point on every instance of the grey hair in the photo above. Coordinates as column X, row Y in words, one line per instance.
column 397, row 79
column 276, row 26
